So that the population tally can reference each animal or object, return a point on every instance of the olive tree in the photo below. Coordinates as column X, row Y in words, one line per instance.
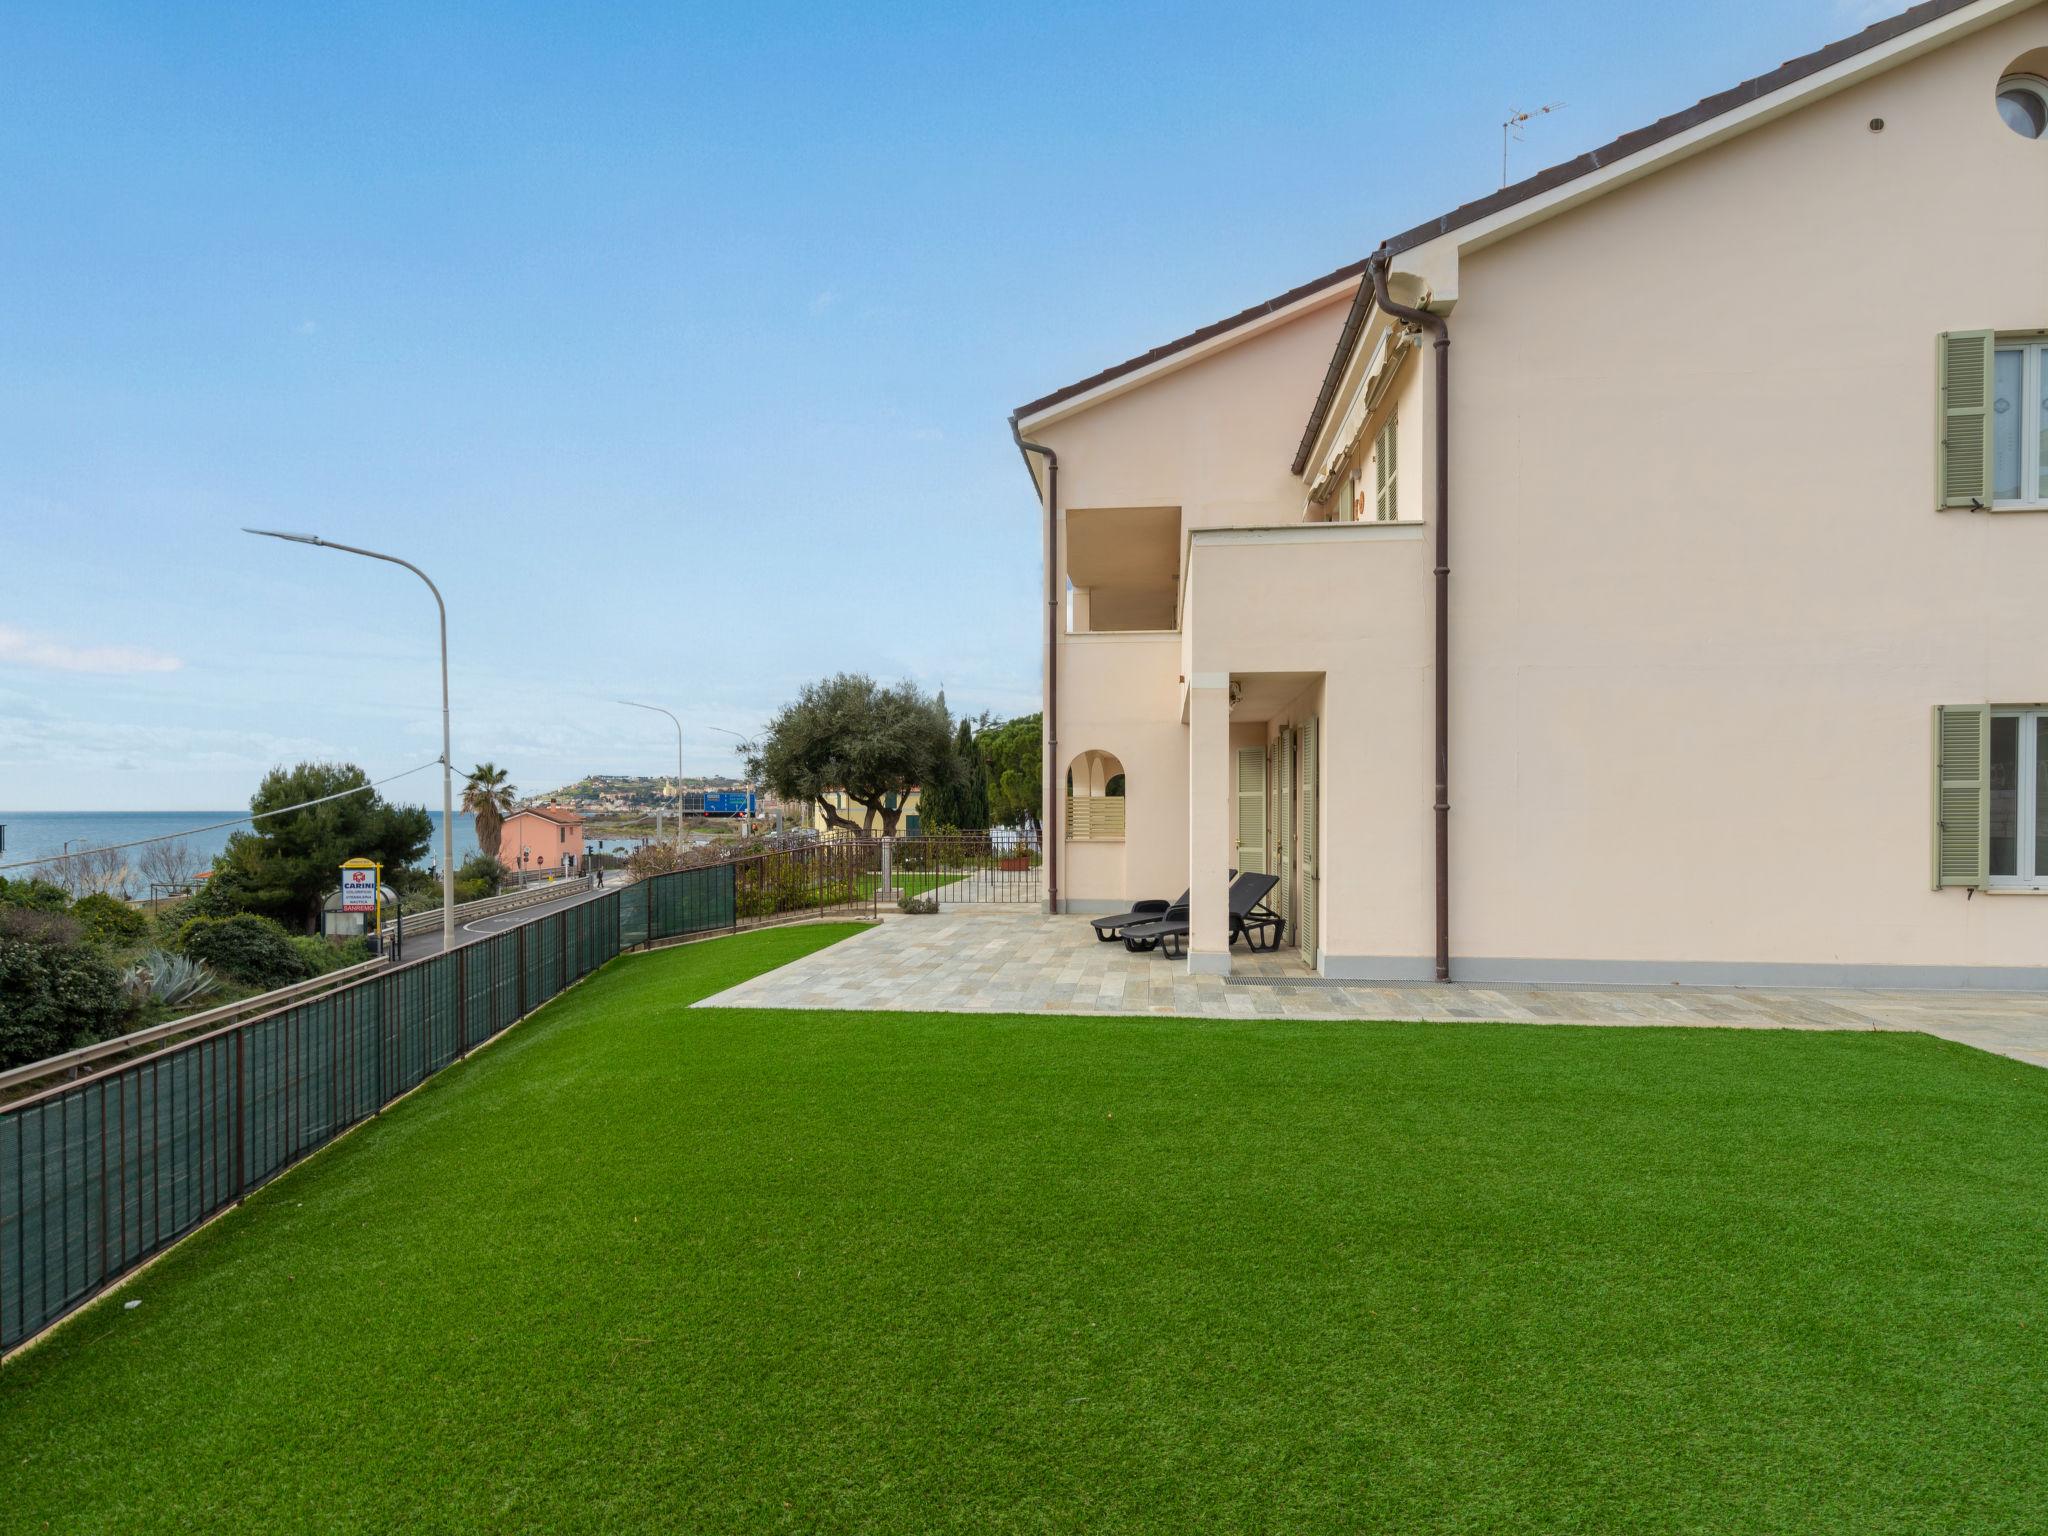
column 850, row 733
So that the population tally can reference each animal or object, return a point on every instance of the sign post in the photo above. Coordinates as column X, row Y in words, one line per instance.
column 362, row 890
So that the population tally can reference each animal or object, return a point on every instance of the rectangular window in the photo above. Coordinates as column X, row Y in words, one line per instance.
column 2019, row 422
column 2004, row 822
column 2016, row 823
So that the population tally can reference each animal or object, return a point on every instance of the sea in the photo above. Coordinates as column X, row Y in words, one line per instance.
column 39, row 834
column 31, row 835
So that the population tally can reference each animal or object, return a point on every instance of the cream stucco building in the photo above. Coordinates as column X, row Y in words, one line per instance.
column 1706, row 559
column 910, row 823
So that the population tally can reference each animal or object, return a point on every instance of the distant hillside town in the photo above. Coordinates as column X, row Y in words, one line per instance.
column 620, row 794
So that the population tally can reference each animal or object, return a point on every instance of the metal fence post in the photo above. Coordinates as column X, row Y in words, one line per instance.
column 103, row 1182
column 462, row 1001
column 241, row 1112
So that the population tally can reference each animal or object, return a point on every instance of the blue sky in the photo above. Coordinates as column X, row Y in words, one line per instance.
column 677, row 342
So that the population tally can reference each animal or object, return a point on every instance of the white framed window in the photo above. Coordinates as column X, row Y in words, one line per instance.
column 2016, row 809
column 2019, row 421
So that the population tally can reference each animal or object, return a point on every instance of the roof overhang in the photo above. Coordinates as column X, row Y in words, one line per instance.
column 1187, row 350
column 1431, row 251
column 1426, row 259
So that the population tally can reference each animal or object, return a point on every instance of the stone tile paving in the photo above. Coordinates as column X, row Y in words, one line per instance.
column 1008, row 961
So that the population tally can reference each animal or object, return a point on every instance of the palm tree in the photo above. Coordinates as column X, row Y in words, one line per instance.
column 490, row 799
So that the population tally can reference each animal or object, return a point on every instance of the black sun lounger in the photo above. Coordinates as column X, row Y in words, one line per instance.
column 1110, row 929
column 1250, row 919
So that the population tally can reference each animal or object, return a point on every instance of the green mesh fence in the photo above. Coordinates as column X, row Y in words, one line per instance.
column 98, row 1175
column 690, row 901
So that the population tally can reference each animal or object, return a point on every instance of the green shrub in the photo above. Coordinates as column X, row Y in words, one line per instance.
column 109, row 920
column 415, row 887
column 168, row 918
column 246, row 948
column 481, row 867
column 213, row 898
column 35, row 895
column 57, row 992
column 792, row 885
column 473, row 890
column 654, row 859
column 323, row 954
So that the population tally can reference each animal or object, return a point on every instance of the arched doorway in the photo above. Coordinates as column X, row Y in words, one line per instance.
column 1095, row 798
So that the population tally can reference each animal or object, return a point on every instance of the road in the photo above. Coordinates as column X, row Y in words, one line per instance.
column 420, row 944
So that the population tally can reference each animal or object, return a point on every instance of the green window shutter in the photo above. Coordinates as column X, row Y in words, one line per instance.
column 1385, row 504
column 1251, row 810
column 1963, row 460
column 1311, row 853
column 1962, row 794
column 1346, row 508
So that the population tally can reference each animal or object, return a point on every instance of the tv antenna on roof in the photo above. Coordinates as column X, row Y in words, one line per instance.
column 1513, row 128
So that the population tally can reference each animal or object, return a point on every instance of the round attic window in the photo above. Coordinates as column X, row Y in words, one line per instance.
column 2023, row 103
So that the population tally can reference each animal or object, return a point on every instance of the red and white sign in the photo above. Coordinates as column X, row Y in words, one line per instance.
column 359, row 890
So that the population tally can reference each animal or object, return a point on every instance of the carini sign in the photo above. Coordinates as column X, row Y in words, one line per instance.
column 359, row 888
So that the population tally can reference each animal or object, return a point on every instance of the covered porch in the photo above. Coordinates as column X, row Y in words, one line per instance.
column 1255, row 751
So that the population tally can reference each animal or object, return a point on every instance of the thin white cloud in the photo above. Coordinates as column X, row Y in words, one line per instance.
column 22, row 648
column 27, row 743
column 824, row 301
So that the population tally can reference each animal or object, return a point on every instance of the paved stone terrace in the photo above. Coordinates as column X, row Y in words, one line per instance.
column 1008, row 961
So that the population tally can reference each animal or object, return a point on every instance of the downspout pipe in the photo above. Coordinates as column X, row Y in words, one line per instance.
column 1049, row 833
column 1440, row 331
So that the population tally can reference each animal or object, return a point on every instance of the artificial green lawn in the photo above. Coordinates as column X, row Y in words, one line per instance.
column 909, row 882
column 641, row 1268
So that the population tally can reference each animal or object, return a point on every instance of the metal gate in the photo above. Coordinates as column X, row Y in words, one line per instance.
column 1000, row 868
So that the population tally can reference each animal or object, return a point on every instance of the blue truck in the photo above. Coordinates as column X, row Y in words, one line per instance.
column 721, row 802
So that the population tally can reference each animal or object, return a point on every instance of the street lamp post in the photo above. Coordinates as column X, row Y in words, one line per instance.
column 679, row 766
column 447, row 762
column 746, row 742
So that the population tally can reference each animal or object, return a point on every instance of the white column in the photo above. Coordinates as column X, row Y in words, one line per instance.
column 1209, row 823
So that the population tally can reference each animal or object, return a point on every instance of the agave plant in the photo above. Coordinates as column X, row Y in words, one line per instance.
column 173, row 980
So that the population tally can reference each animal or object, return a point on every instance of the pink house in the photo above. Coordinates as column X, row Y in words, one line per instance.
column 542, row 837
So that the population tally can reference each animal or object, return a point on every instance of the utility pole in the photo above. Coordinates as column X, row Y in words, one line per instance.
column 750, row 747
column 679, row 766
column 447, row 766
